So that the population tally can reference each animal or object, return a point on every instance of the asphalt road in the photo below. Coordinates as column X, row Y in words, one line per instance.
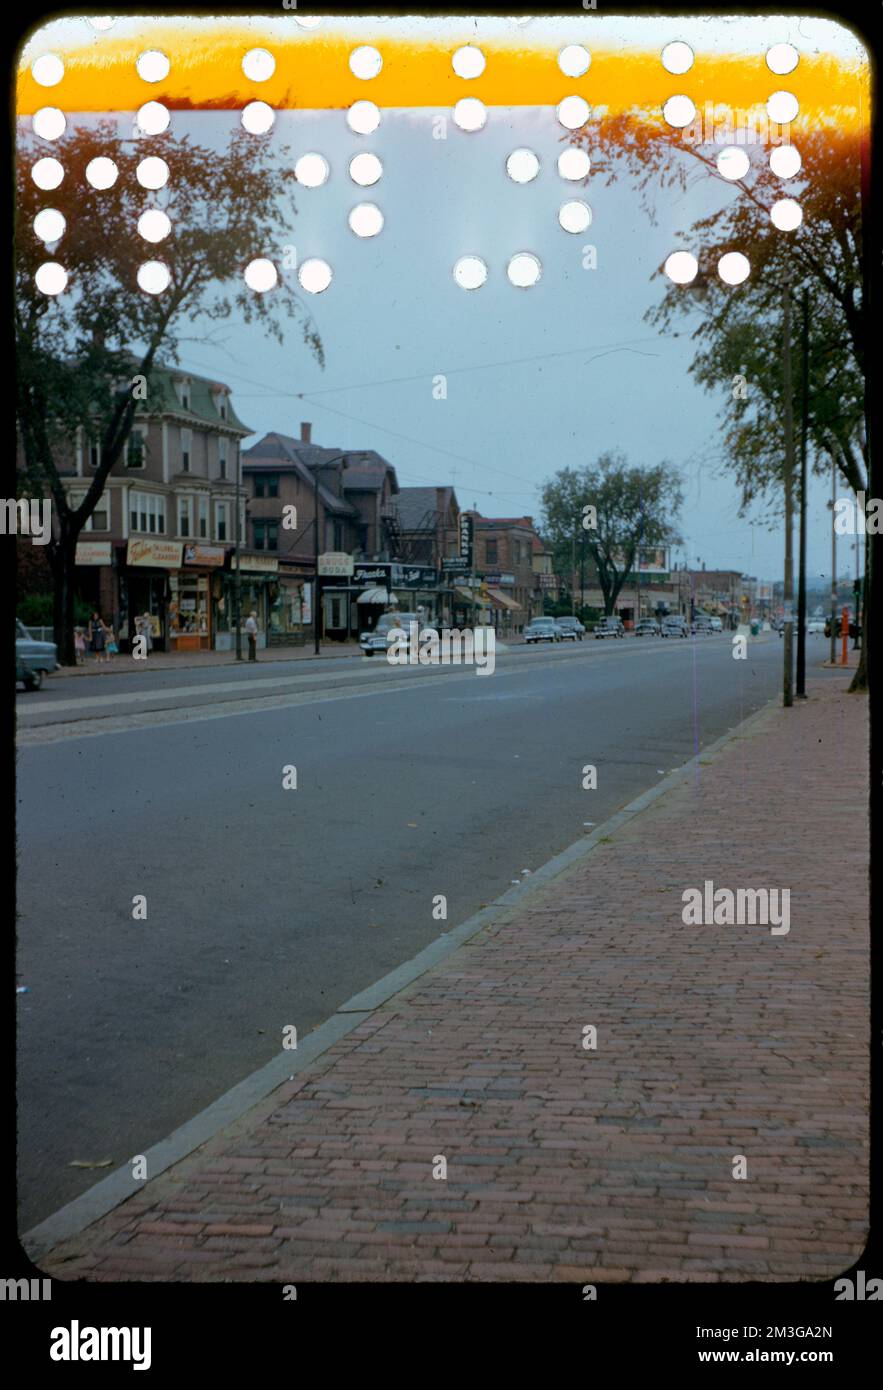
column 268, row 907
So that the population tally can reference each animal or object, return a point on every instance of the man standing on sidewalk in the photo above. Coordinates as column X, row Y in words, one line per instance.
column 251, row 628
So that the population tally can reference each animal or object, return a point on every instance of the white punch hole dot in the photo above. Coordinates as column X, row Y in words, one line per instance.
column 681, row 267
column 49, row 122
column 733, row 268
column 573, row 163
column 311, row 170
column 365, row 219
column 470, row 114
column 679, row 111
column 363, row 117
column 49, row 224
column 153, row 277
column 782, row 58
column 522, row 166
column 47, row 173
column 573, row 112
column 365, row 62
column 575, row 216
column 365, row 169
column 261, row 275
column 782, row 107
column 50, row 278
column 468, row 62
column 524, row 270
column 153, row 65
column 677, row 57
column 101, row 172
column 258, row 64
column 154, row 225
column 733, row 163
column 47, row 70
column 785, row 161
column 574, row 60
column 152, row 172
column 786, row 215
column 258, row 117
column 314, row 275
column 470, row 272
column 153, row 118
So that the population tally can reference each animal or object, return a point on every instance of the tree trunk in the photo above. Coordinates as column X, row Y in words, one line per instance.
column 860, row 679
column 63, row 565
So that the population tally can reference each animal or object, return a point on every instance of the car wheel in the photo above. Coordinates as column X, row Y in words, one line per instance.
column 34, row 681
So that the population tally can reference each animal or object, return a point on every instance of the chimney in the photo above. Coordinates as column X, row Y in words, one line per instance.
column 306, row 433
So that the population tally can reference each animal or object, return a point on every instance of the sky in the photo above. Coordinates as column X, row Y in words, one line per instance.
column 535, row 379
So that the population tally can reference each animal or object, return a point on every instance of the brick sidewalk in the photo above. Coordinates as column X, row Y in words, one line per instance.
column 565, row 1163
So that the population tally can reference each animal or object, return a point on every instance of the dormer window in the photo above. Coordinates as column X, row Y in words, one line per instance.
column 182, row 389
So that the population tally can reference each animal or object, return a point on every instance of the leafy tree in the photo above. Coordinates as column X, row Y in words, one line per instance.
column 81, row 353
column 630, row 508
column 739, row 331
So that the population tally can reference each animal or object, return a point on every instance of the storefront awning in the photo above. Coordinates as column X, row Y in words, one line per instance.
column 376, row 596
column 469, row 596
column 503, row 600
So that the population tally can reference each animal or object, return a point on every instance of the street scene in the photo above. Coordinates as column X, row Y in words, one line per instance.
column 442, row 652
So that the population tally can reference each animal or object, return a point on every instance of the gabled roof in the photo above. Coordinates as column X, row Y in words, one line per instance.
column 279, row 452
column 205, row 396
column 418, row 507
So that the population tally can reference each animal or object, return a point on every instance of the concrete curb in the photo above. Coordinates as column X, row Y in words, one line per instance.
column 118, row 1186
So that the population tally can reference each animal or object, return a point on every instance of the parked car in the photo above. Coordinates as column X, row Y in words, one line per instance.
column 701, row 623
column 571, row 629
column 35, row 656
column 647, row 627
column 609, row 627
column 30, row 679
column 674, row 626
column 815, row 626
column 542, row 630
column 379, row 639
column 716, row 625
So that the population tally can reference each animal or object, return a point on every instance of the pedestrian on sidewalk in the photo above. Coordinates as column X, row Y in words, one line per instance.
column 144, row 628
column 80, row 646
column 251, row 629
column 97, row 638
column 110, row 643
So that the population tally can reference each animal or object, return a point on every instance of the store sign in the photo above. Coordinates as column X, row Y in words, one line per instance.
column 466, row 538
column 413, row 576
column 455, row 564
column 263, row 564
column 371, row 574
column 204, row 555
column 92, row 553
column 508, row 579
column 165, row 554
column 335, row 562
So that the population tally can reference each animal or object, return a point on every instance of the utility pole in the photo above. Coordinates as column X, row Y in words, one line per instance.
column 329, row 463
column 788, row 595
column 237, row 588
column 582, row 571
column 801, row 575
column 472, row 575
column 833, row 565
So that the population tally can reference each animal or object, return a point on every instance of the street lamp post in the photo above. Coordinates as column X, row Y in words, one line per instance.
column 237, row 587
column 316, row 471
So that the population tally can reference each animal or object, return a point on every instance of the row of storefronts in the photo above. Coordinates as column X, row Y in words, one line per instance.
column 189, row 592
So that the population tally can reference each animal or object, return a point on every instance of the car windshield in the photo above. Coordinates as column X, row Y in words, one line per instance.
column 542, row 622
